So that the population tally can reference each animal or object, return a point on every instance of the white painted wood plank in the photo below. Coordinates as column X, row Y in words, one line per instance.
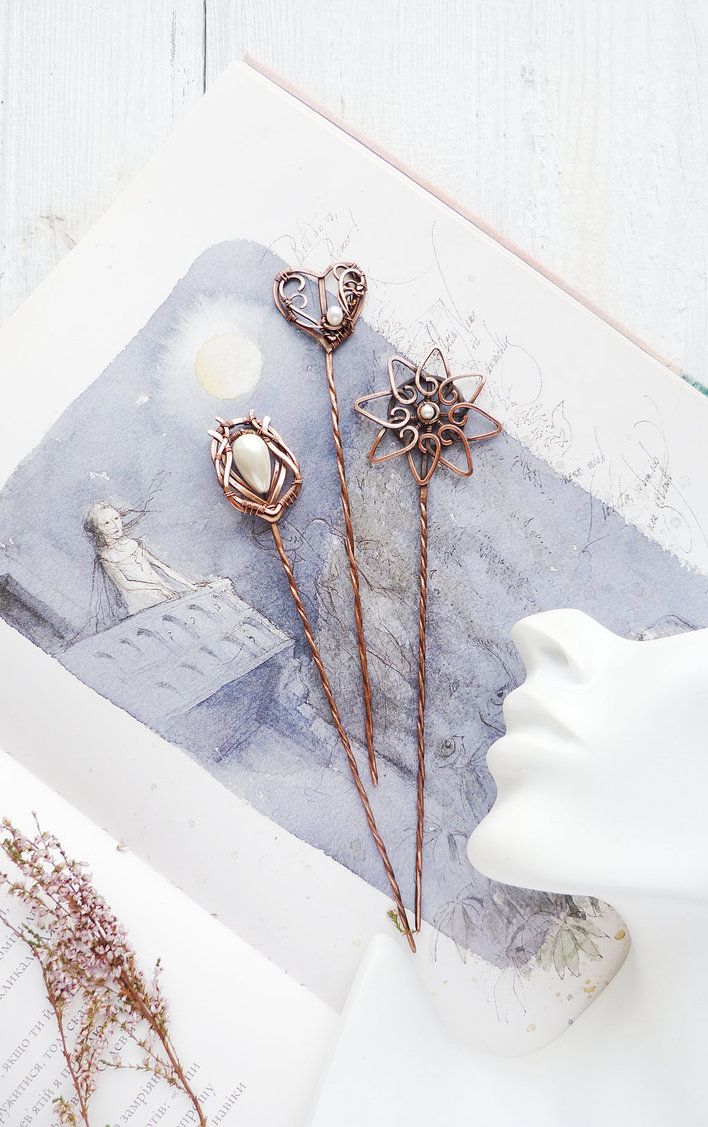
column 576, row 129
column 87, row 93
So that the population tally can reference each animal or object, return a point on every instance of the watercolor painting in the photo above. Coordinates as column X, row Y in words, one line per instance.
column 129, row 568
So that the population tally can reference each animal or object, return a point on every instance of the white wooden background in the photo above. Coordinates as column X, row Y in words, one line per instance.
column 575, row 127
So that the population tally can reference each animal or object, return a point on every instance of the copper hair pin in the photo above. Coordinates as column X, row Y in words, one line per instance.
column 427, row 415
column 261, row 476
column 303, row 299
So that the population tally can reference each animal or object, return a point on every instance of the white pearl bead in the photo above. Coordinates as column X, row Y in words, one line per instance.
column 252, row 460
column 334, row 315
column 427, row 411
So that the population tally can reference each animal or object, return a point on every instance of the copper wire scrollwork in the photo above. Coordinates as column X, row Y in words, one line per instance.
column 324, row 305
column 427, row 415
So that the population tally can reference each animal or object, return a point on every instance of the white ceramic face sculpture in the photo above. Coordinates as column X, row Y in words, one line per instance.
column 602, row 781
column 602, row 776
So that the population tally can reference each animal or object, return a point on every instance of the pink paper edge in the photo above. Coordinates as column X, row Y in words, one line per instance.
column 448, row 201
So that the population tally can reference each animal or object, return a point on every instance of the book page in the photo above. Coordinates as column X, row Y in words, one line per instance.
column 195, row 729
column 250, row 1039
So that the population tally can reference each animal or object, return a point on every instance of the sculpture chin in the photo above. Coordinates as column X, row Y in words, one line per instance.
column 505, row 844
column 510, row 846
column 491, row 850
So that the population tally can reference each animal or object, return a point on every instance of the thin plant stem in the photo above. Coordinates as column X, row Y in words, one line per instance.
column 64, row 1046
column 171, row 1053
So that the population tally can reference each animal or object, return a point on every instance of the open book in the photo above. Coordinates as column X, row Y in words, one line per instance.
column 194, row 729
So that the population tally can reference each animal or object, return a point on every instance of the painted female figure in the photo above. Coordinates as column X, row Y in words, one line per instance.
column 136, row 578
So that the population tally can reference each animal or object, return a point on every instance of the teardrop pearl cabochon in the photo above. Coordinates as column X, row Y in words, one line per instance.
column 252, row 460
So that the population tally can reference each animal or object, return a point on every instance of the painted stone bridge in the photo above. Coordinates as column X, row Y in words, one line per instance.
column 161, row 662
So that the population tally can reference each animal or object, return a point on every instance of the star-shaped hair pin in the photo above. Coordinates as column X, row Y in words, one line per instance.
column 428, row 419
column 427, row 414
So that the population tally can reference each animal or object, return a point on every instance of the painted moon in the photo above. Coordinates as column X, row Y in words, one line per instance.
column 228, row 365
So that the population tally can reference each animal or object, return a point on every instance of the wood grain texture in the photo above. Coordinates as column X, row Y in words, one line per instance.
column 575, row 127
column 87, row 93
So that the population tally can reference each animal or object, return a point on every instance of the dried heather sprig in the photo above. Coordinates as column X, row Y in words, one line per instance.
column 85, row 958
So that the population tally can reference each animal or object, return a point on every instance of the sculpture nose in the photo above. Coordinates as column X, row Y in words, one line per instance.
column 565, row 644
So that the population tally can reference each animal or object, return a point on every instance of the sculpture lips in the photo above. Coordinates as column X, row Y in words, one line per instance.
column 528, row 714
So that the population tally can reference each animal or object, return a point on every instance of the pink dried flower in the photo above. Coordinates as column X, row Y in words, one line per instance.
column 86, row 958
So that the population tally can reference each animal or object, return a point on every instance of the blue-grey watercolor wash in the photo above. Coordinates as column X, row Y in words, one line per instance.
column 515, row 539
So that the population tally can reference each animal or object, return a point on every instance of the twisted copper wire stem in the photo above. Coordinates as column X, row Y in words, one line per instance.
column 299, row 606
column 422, row 617
column 353, row 568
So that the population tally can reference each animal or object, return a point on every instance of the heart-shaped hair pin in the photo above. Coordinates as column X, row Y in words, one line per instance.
column 326, row 306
